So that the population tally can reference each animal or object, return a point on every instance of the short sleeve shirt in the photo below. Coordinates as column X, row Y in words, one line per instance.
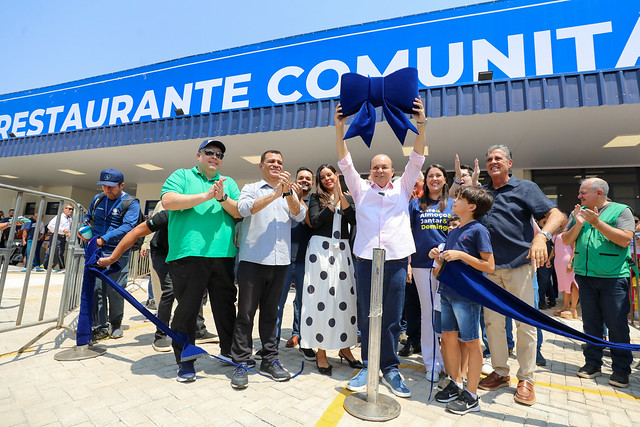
column 472, row 238
column 429, row 229
column 509, row 220
column 205, row 230
column 625, row 220
column 159, row 224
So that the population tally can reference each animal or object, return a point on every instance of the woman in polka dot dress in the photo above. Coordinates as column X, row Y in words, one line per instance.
column 328, row 316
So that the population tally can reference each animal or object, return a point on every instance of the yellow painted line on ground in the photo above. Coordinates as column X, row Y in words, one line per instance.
column 335, row 411
column 28, row 299
column 614, row 393
column 14, row 353
column 414, row 367
column 144, row 325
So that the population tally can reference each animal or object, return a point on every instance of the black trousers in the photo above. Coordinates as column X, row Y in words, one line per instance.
column 58, row 255
column 257, row 285
column 191, row 276
column 165, row 301
column 412, row 313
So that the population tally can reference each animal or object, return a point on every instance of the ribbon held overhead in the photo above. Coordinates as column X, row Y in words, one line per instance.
column 395, row 93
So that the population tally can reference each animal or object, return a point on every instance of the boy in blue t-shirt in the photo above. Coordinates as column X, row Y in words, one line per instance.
column 460, row 318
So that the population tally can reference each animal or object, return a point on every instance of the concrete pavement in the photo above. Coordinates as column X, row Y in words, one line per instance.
column 134, row 385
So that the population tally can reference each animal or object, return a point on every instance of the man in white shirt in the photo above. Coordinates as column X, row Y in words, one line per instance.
column 64, row 230
column 382, row 219
column 268, row 208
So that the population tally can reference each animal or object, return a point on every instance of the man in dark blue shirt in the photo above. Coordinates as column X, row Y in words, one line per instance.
column 111, row 222
column 517, row 255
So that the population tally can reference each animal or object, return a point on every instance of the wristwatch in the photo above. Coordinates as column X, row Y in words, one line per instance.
column 546, row 234
column 288, row 193
column 225, row 197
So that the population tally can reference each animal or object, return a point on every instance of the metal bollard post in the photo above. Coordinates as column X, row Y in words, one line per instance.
column 372, row 406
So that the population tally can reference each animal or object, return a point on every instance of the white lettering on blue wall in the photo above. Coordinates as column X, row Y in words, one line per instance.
column 513, row 38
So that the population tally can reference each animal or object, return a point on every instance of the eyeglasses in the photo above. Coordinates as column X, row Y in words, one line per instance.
column 464, row 175
column 211, row 152
column 69, row 207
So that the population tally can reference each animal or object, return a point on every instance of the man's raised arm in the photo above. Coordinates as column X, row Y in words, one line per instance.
column 341, row 145
column 421, row 121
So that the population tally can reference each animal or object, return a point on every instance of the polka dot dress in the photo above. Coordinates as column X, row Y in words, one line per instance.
column 328, row 317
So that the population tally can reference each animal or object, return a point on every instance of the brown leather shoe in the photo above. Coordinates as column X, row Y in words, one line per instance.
column 292, row 342
column 525, row 394
column 494, row 382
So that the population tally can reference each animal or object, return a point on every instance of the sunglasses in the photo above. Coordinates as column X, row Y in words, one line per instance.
column 211, row 152
column 69, row 209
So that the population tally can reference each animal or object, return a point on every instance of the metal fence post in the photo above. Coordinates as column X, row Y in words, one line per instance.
column 372, row 406
column 70, row 297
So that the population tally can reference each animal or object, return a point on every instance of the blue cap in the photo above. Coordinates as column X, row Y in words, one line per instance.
column 111, row 177
column 213, row 142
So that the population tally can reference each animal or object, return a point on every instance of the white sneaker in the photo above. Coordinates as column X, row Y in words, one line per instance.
column 433, row 375
column 487, row 368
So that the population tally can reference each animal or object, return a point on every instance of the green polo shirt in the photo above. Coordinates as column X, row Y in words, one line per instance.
column 205, row 230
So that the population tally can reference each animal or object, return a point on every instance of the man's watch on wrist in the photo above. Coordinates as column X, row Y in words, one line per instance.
column 546, row 234
column 288, row 193
column 225, row 197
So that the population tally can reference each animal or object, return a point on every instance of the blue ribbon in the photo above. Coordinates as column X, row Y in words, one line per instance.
column 395, row 93
column 470, row 283
column 91, row 270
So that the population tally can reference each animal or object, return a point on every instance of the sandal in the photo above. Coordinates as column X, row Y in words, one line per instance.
column 557, row 313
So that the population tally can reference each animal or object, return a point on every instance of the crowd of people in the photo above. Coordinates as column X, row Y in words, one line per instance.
column 278, row 231
column 25, row 235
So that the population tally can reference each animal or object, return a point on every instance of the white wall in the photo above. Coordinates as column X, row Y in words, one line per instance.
column 148, row 191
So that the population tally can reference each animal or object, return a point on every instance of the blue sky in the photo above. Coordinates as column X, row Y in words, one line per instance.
column 46, row 42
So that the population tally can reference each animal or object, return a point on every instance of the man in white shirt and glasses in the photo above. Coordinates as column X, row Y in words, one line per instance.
column 64, row 230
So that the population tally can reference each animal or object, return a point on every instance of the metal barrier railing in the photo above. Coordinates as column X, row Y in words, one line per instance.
column 138, row 267
column 72, row 283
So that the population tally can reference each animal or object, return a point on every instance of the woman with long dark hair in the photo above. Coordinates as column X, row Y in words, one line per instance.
column 329, row 315
column 429, row 216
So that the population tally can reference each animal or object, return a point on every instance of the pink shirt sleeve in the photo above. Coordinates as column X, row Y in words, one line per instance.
column 351, row 176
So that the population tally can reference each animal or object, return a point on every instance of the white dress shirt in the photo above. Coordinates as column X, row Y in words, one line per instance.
column 65, row 225
column 382, row 214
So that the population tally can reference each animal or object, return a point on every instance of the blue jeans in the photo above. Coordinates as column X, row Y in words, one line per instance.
column 36, row 255
column 461, row 316
column 536, row 300
column 606, row 301
column 394, row 282
column 295, row 275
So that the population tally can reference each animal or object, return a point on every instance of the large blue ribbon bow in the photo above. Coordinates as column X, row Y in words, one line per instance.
column 396, row 94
